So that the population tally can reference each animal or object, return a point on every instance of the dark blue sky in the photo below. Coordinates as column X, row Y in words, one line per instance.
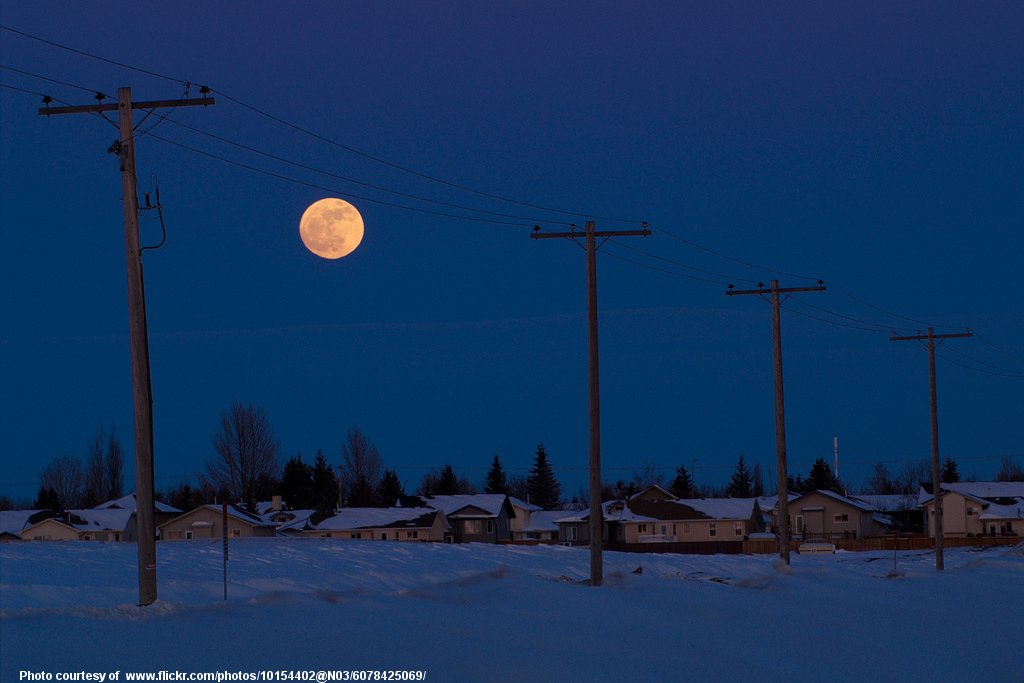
column 875, row 145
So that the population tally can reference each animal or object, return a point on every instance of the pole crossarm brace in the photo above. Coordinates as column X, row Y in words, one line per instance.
column 97, row 108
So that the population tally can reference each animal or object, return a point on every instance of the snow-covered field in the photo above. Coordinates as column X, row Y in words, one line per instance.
column 499, row 613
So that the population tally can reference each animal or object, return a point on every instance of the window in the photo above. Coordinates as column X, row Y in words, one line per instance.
column 673, row 529
column 383, row 535
column 188, row 535
column 840, row 518
column 686, row 527
column 412, row 534
column 472, row 526
column 325, row 534
column 236, row 533
column 490, row 526
column 355, row 534
column 712, row 529
column 641, row 528
column 739, row 530
column 572, row 533
column 971, row 510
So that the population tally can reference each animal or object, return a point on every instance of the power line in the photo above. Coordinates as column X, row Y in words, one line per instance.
column 335, row 190
column 53, row 80
column 90, row 55
column 354, row 181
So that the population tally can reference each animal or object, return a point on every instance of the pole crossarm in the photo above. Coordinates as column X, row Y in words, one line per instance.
column 599, row 233
column 96, row 108
column 780, row 290
column 925, row 337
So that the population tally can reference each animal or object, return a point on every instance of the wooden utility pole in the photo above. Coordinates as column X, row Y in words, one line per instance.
column 596, row 523
column 780, row 404
column 936, row 474
column 142, row 393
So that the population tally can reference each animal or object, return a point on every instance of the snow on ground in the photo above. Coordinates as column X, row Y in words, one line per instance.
column 510, row 613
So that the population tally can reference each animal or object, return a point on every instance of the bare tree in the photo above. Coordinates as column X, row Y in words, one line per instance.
column 362, row 468
column 1009, row 470
column 64, row 476
column 95, row 466
column 245, row 453
column 114, row 467
column 912, row 475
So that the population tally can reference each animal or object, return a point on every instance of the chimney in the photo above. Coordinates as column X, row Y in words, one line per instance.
column 275, row 503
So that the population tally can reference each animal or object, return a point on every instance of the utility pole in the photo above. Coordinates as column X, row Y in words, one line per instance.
column 142, row 393
column 780, row 404
column 936, row 475
column 596, row 524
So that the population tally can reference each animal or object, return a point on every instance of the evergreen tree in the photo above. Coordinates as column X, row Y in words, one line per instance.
column 448, row 483
column 950, row 472
column 758, row 483
column 544, row 490
column 390, row 489
column 496, row 481
column 682, row 485
column 821, row 478
column 325, row 485
column 741, row 485
column 297, row 484
column 47, row 499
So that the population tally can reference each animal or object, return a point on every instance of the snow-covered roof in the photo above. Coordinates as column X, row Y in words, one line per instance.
column 987, row 491
column 611, row 511
column 721, row 508
column 93, row 520
column 373, row 518
column 129, row 503
column 543, row 520
column 840, row 498
column 297, row 518
column 523, row 505
column 995, row 511
column 887, row 502
column 490, row 503
column 13, row 521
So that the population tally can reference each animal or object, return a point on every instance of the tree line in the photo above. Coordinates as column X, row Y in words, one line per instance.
column 244, row 467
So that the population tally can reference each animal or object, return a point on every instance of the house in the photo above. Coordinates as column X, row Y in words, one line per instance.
column 373, row 524
column 829, row 515
column 902, row 509
column 207, row 522
column 654, row 515
column 162, row 512
column 79, row 525
column 983, row 508
column 474, row 518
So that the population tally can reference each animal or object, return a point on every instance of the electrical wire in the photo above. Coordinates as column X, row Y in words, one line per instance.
column 998, row 348
column 335, row 190
column 719, row 254
column 354, row 181
column 90, row 55
column 53, row 80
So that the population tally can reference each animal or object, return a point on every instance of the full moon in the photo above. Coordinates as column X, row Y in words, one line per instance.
column 331, row 228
